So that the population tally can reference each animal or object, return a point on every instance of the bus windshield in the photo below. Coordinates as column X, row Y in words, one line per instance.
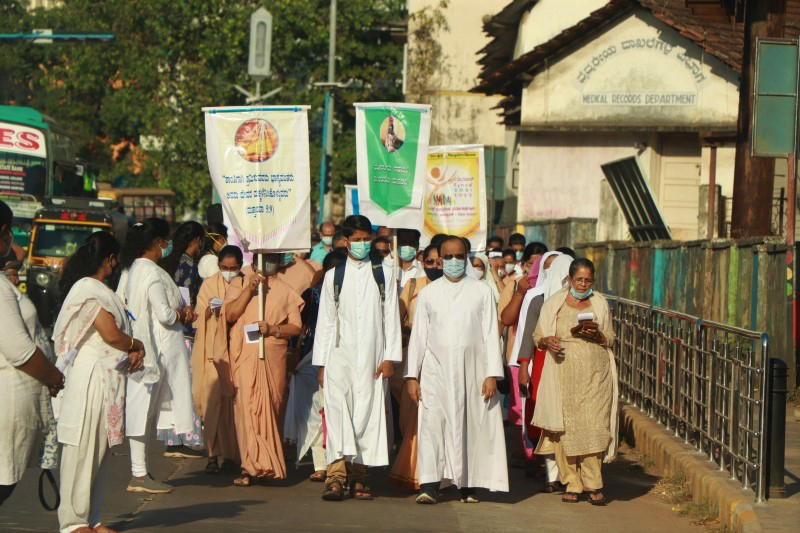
column 60, row 240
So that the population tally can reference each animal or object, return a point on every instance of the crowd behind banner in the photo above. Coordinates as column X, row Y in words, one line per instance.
column 368, row 351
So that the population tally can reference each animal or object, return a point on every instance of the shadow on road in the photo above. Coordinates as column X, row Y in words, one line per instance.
column 179, row 516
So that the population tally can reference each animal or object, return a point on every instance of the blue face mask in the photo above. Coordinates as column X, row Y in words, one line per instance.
column 168, row 250
column 454, row 268
column 359, row 250
column 327, row 241
column 518, row 255
column 434, row 273
column 407, row 253
column 580, row 295
column 287, row 258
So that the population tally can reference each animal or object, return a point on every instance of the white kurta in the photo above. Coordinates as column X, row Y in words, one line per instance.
column 356, row 414
column 24, row 400
column 303, row 421
column 454, row 347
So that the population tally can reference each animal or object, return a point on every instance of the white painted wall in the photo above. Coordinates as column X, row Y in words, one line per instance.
column 548, row 18
column 638, row 59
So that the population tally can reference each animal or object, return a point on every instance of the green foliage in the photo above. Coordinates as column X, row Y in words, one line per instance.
column 171, row 58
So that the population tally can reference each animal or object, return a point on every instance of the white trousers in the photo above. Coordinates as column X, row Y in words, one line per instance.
column 551, row 467
column 318, row 453
column 150, row 400
column 83, row 467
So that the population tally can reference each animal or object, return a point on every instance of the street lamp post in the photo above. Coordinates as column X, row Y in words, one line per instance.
column 327, row 115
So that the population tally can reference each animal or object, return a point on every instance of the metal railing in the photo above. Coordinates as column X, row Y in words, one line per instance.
column 702, row 380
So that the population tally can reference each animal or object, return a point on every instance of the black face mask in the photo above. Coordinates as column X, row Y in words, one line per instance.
column 434, row 273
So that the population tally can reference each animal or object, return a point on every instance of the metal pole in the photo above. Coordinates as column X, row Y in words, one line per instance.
column 779, row 378
column 323, row 160
column 332, row 44
column 791, row 195
column 327, row 137
column 712, row 191
column 260, row 262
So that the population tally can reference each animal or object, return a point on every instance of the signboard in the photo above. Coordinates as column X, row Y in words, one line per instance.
column 22, row 140
column 392, row 150
column 774, row 128
column 258, row 159
column 455, row 194
column 23, row 160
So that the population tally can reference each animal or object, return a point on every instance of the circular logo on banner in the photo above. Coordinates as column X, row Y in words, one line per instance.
column 256, row 140
column 393, row 134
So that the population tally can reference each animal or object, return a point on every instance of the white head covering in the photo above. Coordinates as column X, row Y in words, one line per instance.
column 543, row 273
column 487, row 277
column 559, row 270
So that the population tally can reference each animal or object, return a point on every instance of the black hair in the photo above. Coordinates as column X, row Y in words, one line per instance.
column 516, row 238
column 338, row 236
column 230, row 250
column 186, row 233
column 332, row 259
column 580, row 263
column 408, row 237
column 355, row 223
column 428, row 250
column 467, row 244
column 217, row 228
column 566, row 250
column 449, row 238
column 6, row 215
column 381, row 240
column 87, row 260
column 495, row 238
column 510, row 251
column 533, row 248
column 140, row 238
column 437, row 239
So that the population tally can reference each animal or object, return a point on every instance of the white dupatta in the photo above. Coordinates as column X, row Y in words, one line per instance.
column 549, row 411
column 133, row 289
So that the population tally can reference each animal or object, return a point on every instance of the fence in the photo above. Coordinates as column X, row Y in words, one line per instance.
column 704, row 381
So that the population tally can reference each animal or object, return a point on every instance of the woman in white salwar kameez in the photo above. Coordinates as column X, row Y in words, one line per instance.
column 92, row 336
column 159, row 397
column 26, row 375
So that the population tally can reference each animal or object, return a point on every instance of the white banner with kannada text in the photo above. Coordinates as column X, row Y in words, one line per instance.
column 455, row 194
column 258, row 159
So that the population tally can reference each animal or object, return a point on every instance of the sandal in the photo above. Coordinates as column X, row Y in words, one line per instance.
column 319, row 476
column 334, row 491
column 245, row 481
column 570, row 497
column 365, row 492
column 551, row 488
column 213, row 466
column 596, row 501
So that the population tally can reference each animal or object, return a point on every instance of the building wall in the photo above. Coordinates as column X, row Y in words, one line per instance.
column 640, row 72
column 548, row 18
column 458, row 116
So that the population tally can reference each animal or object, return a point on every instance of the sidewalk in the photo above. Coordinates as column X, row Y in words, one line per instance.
column 783, row 515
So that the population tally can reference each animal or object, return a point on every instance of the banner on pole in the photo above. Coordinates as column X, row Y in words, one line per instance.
column 455, row 194
column 258, row 159
column 392, row 149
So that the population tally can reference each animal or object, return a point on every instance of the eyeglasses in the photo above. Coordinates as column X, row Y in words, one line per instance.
column 430, row 261
column 384, row 253
column 448, row 257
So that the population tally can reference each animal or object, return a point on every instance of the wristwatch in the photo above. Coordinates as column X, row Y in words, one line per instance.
column 278, row 335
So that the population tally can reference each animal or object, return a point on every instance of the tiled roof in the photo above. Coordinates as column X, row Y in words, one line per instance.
column 708, row 26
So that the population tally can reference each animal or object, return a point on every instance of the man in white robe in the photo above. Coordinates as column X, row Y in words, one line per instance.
column 356, row 343
column 453, row 363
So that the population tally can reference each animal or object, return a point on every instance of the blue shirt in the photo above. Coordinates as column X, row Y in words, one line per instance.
column 318, row 253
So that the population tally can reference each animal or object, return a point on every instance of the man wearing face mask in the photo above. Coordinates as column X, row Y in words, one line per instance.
column 453, row 364
column 326, row 230
column 410, row 268
column 357, row 339
column 295, row 272
column 212, row 384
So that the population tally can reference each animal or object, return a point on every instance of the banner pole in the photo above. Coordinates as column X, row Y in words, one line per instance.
column 396, row 257
column 260, row 306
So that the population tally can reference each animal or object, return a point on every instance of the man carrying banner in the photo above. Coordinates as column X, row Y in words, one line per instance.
column 357, row 340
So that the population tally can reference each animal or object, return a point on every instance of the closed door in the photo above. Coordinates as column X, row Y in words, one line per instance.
column 679, row 195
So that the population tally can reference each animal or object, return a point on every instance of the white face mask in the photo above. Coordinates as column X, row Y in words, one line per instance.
column 510, row 268
column 229, row 276
column 479, row 272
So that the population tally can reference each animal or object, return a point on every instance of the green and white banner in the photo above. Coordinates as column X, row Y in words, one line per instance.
column 392, row 153
column 258, row 160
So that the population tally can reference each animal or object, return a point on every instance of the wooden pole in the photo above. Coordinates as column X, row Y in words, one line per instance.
column 260, row 262
column 712, row 191
column 753, row 176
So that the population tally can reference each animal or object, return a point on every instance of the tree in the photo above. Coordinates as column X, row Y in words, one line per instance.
column 170, row 59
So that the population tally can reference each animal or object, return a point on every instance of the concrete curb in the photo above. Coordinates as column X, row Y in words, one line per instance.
column 672, row 455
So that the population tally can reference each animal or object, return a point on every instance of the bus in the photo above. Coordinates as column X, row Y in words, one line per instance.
column 37, row 160
column 141, row 203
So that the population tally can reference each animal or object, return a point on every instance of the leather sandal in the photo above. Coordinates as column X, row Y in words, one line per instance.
column 364, row 491
column 594, row 500
column 331, row 495
column 570, row 497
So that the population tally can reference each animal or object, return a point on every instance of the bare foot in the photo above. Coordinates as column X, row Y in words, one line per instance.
column 104, row 529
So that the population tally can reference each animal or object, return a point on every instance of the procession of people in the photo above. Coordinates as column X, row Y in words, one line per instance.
column 424, row 361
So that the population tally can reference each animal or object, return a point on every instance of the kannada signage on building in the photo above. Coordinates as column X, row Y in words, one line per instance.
column 455, row 194
column 391, row 150
column 258, row 159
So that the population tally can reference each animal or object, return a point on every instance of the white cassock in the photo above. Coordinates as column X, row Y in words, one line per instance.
column 454, row 347
column 356, row 414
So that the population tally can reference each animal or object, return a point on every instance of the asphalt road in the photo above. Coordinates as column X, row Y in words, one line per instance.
column 205, row 503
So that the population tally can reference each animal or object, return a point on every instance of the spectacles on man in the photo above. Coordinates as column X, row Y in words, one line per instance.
column 430, row 261
column 449, row 257
column 384, row 253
